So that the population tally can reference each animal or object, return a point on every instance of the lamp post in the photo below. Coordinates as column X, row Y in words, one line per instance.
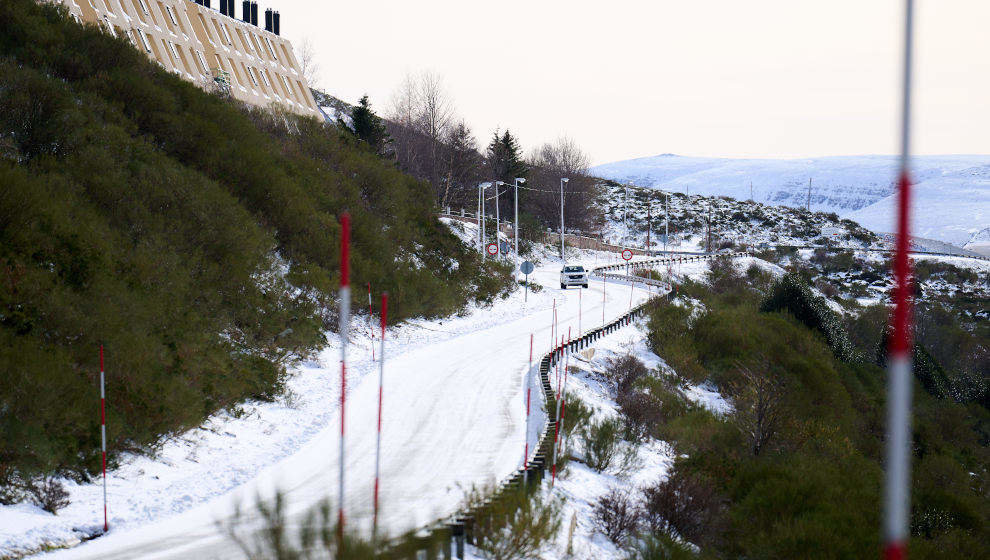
column 562, row 181
column 515, row 229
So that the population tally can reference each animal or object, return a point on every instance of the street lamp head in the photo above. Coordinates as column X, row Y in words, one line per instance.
column 520, row 180
column 564, row 179
column 499, row 183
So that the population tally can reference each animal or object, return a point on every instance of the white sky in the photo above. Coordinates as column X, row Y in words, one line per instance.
column 761, row 78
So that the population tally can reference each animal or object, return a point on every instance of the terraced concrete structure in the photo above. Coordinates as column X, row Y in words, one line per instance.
column 209, row 48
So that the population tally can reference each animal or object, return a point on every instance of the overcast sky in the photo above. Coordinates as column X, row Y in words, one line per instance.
column 761, row 78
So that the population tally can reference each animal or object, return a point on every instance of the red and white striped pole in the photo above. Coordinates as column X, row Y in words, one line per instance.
column 103, row 438
column 529, row 381
column 563, row 391
column 344, row 320
column 371, row 316
column 897, row 491
column 378, row 441
column 553, row 325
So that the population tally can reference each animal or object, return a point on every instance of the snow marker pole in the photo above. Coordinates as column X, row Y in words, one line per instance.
column 371, row 316
column 563, row 392
column 103, row 438
column 345, row 317
column 580, row 291
column 378, row 441
column 553, row 323
column 603, row 298
column 529, row 372
column 897, row 500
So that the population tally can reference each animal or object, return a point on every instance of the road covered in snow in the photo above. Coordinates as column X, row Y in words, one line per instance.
column 454, row 418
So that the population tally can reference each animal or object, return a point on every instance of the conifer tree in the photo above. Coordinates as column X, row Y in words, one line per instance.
column 369, row 127
column 505, row 158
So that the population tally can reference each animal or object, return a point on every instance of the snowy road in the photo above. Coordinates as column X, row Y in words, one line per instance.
column 454, row 418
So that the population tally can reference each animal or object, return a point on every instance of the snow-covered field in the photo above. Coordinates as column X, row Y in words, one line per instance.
column 454, row 418
column 952, row 193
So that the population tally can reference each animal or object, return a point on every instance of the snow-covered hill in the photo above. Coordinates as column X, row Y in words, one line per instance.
column 952, row 192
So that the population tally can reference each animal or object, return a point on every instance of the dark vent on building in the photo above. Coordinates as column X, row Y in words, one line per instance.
column 246, row 11
column 269, row 25
column 254, row 13
column 276, row 26
column 207, row 3
column 223, row 7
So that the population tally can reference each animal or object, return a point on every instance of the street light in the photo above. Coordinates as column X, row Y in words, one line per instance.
column 515, row 228
column 562, row 181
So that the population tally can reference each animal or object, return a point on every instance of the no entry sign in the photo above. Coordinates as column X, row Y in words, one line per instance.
column 627, row 254
column 492, row 249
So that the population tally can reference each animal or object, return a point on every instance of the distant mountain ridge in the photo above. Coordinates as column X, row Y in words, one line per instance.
column 952, row 192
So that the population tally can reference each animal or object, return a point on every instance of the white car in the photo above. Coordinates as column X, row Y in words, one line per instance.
column 573, row 275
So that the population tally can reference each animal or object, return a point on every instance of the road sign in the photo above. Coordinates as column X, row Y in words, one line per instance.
column 504, row 247
column 492, row 249
column 526, row 268
column 627, row 254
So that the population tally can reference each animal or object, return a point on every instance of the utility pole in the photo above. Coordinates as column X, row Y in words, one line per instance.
column 477, row 215
column 562, row 181
column 515, row 230
column 809, row 194
column 751, row 192
column 709, row 242
column 625, row 208
column 666, row 224
column 649, row 222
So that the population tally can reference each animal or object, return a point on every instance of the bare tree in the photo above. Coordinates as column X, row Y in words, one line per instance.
column 564, row 158
column 307, row 61
column 422, row 115
column 759, row 397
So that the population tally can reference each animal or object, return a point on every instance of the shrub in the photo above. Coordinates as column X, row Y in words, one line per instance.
column 576, row 415
column 10, row 487
column 662, row 547
column 623, row 372
column 642, row 413
column 600, row 443
column 684, row 505
column 516, row 525
column 47, row 492
column 616, row 515
column 791, row 294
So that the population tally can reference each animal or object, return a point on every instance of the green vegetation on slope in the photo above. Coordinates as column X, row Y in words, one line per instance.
column 797, row 466
column 197, row 240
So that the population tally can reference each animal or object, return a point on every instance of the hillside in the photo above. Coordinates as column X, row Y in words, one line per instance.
column 952, row 192
column 195, row 239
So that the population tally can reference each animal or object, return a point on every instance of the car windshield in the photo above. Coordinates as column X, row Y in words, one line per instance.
column 573, row 269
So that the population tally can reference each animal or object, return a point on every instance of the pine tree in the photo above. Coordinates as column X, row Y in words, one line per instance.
column 369, row 127
column 505, row 158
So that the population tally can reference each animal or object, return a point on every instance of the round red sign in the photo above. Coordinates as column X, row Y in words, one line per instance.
column 627, row 254
column 492, row 249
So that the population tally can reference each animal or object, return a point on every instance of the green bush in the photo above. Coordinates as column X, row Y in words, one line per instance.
column 600, row 442
column 791, row 294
